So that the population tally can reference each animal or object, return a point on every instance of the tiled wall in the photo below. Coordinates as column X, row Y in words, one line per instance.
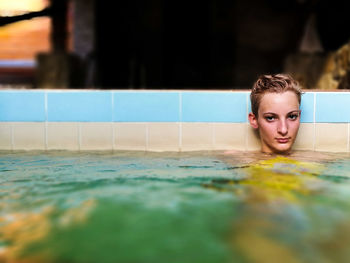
column 158, row 120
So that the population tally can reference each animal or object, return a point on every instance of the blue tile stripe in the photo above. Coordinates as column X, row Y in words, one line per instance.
column 333, row 107
column 307, row 107
column 156, row 106
column 214, row 107
column 82, row 106
column 22, row 106
column 142, row 106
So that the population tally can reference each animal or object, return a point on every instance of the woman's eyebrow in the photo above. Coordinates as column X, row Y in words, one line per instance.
column 294, row 111
column 273, row 113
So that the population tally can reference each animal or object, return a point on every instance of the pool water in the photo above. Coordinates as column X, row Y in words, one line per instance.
column 173, row 207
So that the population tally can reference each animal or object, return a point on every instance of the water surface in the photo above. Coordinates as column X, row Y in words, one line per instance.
column 173, row 207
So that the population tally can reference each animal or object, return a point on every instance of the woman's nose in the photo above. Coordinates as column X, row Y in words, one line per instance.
column 282, row 127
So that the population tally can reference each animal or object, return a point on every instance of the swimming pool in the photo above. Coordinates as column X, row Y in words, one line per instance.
column 203, row 206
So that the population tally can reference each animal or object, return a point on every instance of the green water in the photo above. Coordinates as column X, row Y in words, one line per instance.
column 171, row 207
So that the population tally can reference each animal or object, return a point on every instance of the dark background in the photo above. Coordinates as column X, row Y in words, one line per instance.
column 208, row 43
column 187, row 44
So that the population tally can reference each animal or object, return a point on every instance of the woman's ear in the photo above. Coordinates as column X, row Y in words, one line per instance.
column 253, row 120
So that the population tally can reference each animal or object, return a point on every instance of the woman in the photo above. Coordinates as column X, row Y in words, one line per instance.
column 275, row 101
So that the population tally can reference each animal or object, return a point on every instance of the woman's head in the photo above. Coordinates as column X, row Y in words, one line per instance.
column 275, row 101
column 276, row 83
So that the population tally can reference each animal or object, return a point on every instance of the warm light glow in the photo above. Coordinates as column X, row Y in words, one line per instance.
column 15, row 7
column 24, row 39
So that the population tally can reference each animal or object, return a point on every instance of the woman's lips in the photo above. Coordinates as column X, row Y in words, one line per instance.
column 282, row 140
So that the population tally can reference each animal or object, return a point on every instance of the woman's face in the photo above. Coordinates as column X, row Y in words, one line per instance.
column 278, row 121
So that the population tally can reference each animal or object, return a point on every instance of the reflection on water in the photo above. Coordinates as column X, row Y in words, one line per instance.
column 174, row 207
column 293, row 211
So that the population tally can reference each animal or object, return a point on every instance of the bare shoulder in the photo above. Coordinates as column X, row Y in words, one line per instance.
column 236, row 157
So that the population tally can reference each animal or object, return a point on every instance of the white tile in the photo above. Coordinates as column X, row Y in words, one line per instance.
column 5, row 136
column 96, row 136
column 163, row 137
column 29, row 136
column 62, row 136
column 197, row 136
column 130, row 136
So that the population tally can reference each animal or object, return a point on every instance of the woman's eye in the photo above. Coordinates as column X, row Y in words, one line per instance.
column 269, row 118
column 293, row 116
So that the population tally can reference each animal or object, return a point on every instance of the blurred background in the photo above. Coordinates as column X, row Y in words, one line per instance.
column 172, row 44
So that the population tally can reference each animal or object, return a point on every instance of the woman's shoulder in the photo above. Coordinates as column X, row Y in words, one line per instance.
column 249, row 157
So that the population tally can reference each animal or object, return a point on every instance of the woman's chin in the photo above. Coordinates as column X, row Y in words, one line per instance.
column 284, row 149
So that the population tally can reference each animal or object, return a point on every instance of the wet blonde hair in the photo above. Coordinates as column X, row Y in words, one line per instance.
column 274, row 83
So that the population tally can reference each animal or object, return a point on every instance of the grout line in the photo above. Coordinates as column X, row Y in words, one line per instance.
column 46, row 122
column 213, row 132
column 46, row 106
column 314, row 125
column 180, row 121
column 314, row 113
column 180, row 136
column 113, row 123
column 113, row 136
column 314, row 137
column 180, row 106
column 246, row 137
column 348, row 143
column 79, row 136
column 46, row 136
column 112, row 102
column 147, row 136
column 12, row 138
